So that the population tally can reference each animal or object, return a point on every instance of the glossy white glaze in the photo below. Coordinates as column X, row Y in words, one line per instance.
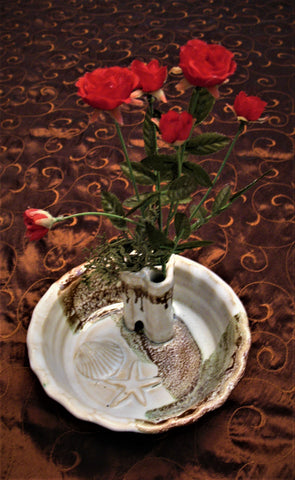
column 120, row 387
column 149, row 302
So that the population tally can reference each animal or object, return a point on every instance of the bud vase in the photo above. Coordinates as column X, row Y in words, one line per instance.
column 147, row 298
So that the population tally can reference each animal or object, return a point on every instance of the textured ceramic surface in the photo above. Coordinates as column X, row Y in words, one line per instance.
column 88, row 360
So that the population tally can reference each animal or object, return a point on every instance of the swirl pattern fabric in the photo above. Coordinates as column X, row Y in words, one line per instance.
column 54, row 158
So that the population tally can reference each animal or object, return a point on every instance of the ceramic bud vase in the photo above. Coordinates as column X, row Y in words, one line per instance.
column 147, row 298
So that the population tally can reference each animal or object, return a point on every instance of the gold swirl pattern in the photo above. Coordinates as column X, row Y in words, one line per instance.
column 52, row 156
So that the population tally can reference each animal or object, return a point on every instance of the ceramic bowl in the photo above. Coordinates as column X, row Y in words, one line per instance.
column 87, row 360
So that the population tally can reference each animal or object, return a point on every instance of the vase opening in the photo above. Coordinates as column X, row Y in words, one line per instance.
column 139, row 326
column 156, row 276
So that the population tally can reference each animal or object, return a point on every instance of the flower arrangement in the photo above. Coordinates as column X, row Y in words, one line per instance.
column 161, row 215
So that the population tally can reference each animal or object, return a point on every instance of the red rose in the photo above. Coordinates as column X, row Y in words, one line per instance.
column 175, row 127
column 151, row 76
column 107, row 88
column 248, row 108
column 205, row 65
column 38, row 222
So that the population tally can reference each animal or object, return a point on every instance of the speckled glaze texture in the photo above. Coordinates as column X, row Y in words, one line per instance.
column 102, row 371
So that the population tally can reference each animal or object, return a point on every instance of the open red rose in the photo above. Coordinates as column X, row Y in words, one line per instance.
column 206, row 65
column 248, row 108
column 151, row 76
column 107, row 88
column 175, row 127
column 38, row 222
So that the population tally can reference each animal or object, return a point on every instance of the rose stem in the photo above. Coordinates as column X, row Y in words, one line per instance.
column 100, row 214
column 158, row 180
column 127, row 159
column 196, row 209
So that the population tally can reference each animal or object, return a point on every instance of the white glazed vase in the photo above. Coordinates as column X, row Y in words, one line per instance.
column 147, row 298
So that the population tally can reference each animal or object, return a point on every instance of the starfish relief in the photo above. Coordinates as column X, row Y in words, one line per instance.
column 134, row 385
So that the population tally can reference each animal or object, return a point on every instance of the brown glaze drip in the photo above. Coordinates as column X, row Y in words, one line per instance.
column 80, row 300
column 141, row 293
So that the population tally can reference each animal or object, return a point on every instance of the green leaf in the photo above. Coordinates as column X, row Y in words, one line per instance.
column 201, row 104
column 206, row 143
column 142, row 175
column 199, row 174
column 149, row 135
column 159, row 162
column 182, row 225
column 200, row 215
column 144, row 200
column 165, row 164
column 181, row 188
column 157, row 238
column 111, row 204
column 221, row 199
column 190, row 245
column 165, row 199
column 184, row 201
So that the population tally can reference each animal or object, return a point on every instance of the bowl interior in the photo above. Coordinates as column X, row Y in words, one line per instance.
column 212, row 337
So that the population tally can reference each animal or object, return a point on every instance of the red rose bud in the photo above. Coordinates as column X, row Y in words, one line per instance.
column 38, row 222
column 151, row 76
column 206, row 65
column 107, row 88
column 247, row 108
column 175, row 127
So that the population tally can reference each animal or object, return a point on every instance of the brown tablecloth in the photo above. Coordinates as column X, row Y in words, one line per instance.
column 54, row 158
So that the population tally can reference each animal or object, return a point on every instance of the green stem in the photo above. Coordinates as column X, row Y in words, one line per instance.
column 232, row 199
column 158, row 188
column 171, row 214
column 158, row 179
column 212, row 215
column 179, row 162
column 100, row 214
column 180, row 154
column 119, row 132
column 197, row 208
column 194, row 100
column 174, row 207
